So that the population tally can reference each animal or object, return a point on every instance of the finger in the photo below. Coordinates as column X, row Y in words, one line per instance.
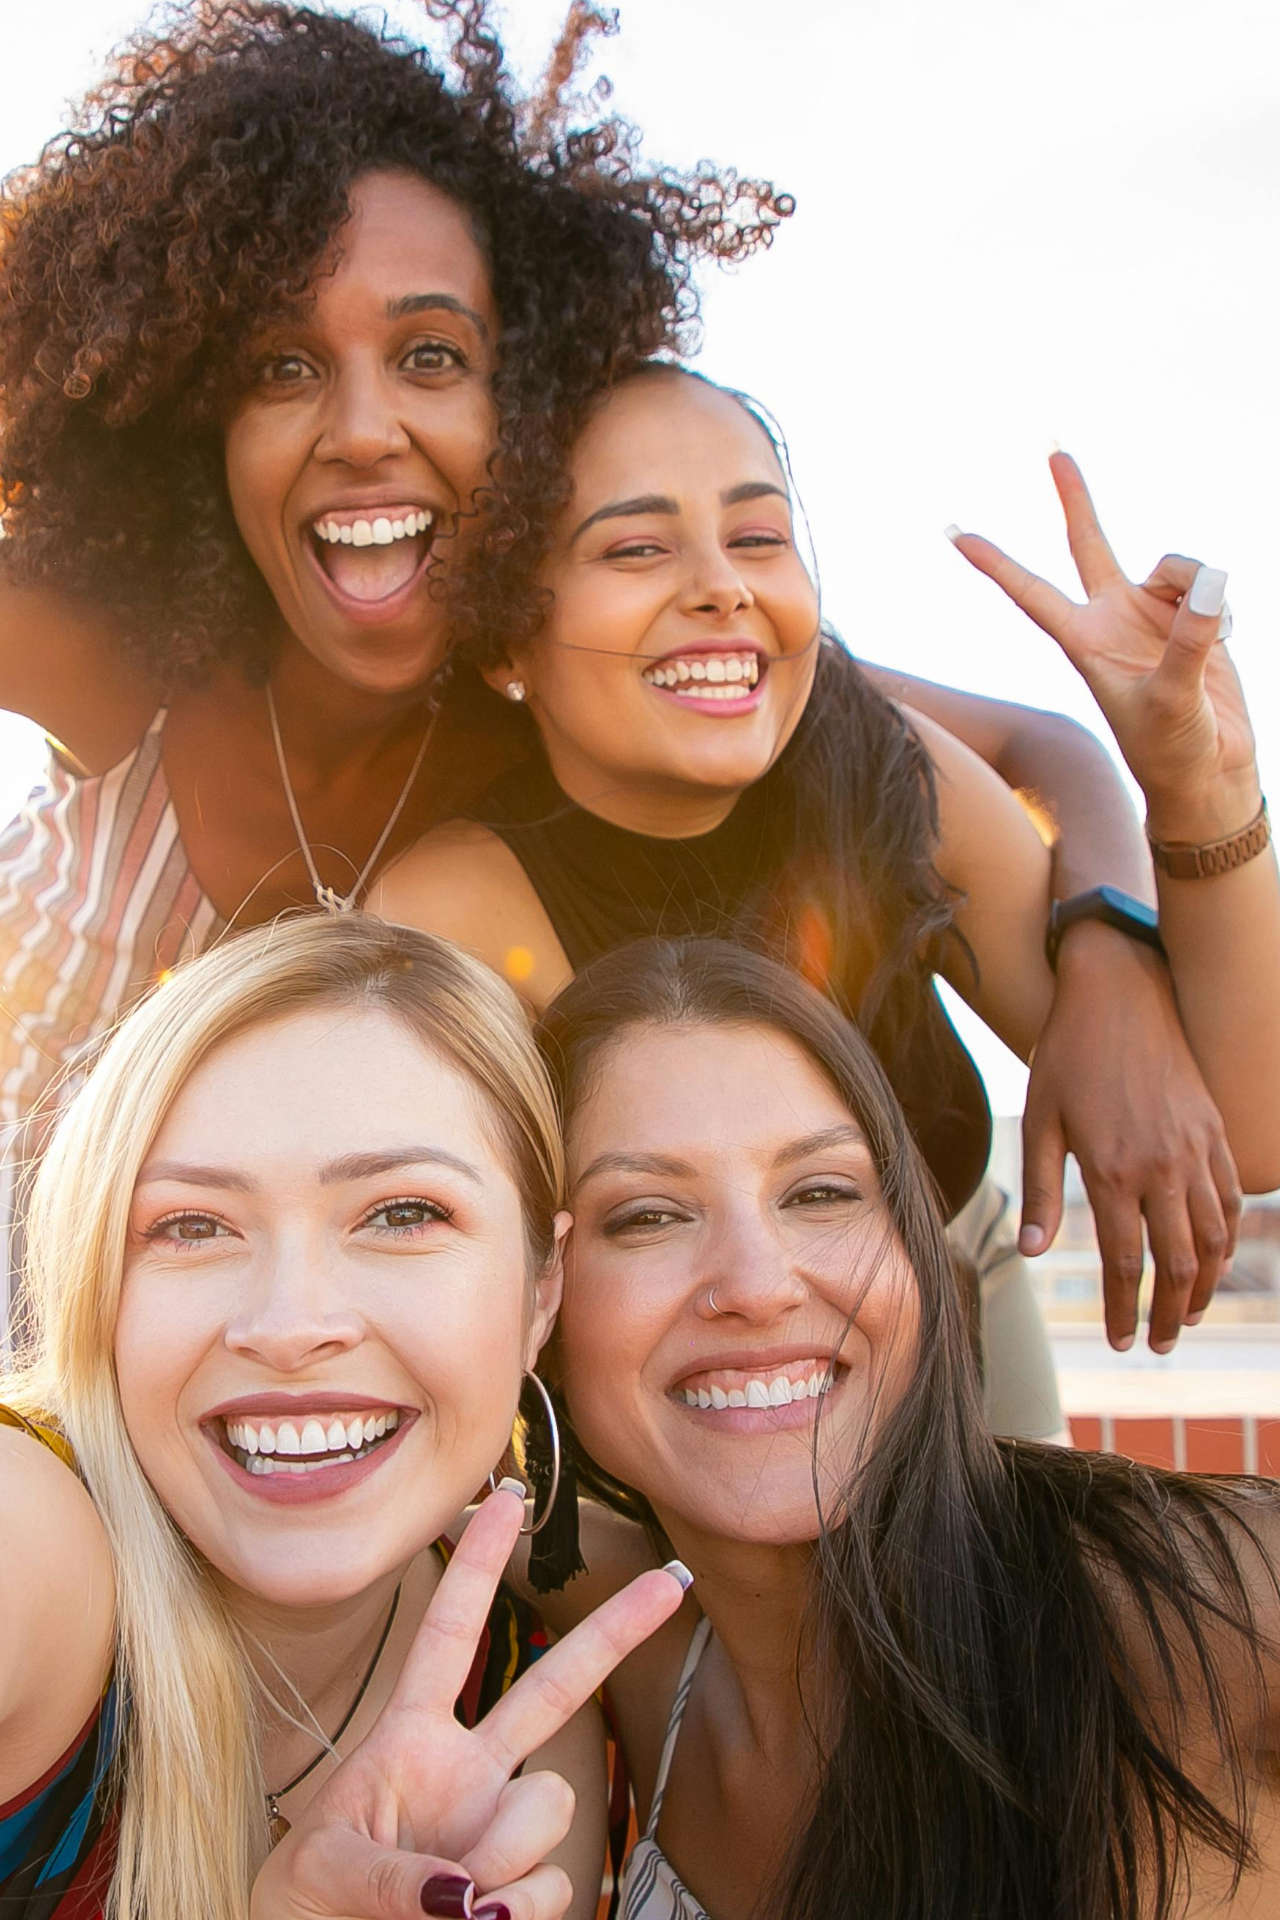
column 1041, row 602
column 566, row 1676
column 1118, row 1222
column 1173, row 1253
column 1095, row 562
column 1171, row 577
column 1229, row 1199
column 1044, row 1153
column 544, row 1894
column 334, row 1871
column 1194, row 632
column 438, row 1662
column 1209, row 1227
column 533, row 1815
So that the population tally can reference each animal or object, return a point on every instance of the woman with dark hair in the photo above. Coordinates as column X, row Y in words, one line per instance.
column 713, row 762
column 292, row 323
column 929, row 1674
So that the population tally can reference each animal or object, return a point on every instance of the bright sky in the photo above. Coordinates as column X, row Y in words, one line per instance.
column 1019, row 223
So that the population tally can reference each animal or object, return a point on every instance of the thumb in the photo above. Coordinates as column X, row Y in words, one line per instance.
column 1195, row 630
column 1044, row 1153
column 334, row 1873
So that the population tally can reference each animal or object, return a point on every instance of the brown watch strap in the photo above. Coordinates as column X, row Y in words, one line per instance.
column 1183, row 862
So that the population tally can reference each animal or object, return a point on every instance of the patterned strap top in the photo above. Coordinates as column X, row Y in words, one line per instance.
column 651, row 1889
column 57, row 1837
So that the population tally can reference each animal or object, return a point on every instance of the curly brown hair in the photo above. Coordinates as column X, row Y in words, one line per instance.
column 191, row 203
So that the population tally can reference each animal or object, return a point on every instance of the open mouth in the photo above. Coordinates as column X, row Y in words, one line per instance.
column 726, row 1389
column 372, row 556
column 309, row 1445
column 728, row 678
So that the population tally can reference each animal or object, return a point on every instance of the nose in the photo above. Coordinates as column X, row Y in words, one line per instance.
column 361, row 424
column 749, row 1274
column 715, row 585
column 292, row 1314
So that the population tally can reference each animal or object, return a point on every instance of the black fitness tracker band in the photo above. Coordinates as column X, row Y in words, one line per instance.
column 1113, row 907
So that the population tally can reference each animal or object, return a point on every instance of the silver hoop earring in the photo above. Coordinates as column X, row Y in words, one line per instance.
column 515, row 690
column 553, row 1430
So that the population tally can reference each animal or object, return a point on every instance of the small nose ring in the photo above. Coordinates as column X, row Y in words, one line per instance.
column 711, row 1301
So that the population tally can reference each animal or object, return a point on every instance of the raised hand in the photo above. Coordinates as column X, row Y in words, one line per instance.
column 424, row 1813
column 1151, row 658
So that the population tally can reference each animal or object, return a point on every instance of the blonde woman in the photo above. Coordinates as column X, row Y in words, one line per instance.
column 292, row 1251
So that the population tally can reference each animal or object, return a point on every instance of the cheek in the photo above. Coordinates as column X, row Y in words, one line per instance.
column 160, row 1341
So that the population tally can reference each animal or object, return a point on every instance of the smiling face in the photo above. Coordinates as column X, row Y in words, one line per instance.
column 326, row 1310
column 732, row 1275
column 678, row 654
column 364, row 432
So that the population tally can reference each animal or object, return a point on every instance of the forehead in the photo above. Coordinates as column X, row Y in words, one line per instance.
column 667, row 432
column 316, row 1085
column 691, row 1090
column 405, row 236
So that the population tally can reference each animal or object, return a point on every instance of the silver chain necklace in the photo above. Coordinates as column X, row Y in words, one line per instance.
column 328, row 897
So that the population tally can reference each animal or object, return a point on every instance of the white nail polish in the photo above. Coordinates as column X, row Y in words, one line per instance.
column 1225, row 622
column 952, row 532
column 1208, row 591
column 510, row 1485
column 679, row 1573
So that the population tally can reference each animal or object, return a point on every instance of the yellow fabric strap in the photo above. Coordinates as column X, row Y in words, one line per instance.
column 47, row 1436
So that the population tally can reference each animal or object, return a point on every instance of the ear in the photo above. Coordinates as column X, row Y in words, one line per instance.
column 548, row 1288
column 499, row 676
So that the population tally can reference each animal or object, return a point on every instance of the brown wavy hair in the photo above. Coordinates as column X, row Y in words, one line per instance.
column 190, row 202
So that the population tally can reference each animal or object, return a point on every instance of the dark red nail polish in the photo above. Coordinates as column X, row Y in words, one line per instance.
column 497, row 1911
column 448, row 1896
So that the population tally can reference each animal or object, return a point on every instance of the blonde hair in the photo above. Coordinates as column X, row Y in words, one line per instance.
column 190, row 1789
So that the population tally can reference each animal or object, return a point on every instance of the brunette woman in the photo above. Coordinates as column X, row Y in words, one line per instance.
column 928, row 1674
column 712, row 761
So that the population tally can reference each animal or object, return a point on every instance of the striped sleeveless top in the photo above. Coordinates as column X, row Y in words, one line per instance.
column 97, row 900
column 650, row 1888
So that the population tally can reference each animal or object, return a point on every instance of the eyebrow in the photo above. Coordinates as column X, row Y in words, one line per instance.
column 845, row 1133
column 663, row 503
column 350, row 1166
column 435, row 302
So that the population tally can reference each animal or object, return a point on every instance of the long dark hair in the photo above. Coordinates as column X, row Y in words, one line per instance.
column 1018, row 1637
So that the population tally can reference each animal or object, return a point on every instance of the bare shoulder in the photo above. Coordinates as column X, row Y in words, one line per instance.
column 464, row 883
column 57, row 1609
column 61, row 665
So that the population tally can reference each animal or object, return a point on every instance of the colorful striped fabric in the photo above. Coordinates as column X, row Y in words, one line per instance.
column 650, row 1888
column 97, row 900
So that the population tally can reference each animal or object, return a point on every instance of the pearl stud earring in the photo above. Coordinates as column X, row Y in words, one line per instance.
column 515, row 690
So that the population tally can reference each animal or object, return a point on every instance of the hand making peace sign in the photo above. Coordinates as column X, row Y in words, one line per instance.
column 1150, row 657
column 424, row 1815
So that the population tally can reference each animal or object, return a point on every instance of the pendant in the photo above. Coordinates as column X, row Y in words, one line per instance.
column 277, row 1825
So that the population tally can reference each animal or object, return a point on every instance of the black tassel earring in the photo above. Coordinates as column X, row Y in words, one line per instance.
column 555, row 1556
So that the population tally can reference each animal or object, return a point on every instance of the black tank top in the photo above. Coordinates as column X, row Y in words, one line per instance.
column 602, row 886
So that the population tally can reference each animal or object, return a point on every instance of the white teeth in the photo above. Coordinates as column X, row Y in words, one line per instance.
column 733, row 670
column 335, row 1437
column 338, row 1436
column 776, row 1392
column 697, row 670
column 378, row 532
column 715, row 670
column 313, row 1438
column 682, row 670
column 287, row 1440
column 355, row 1433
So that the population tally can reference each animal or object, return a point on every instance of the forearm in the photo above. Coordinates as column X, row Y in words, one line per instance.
column 1222, row 936
column 1060, row 771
